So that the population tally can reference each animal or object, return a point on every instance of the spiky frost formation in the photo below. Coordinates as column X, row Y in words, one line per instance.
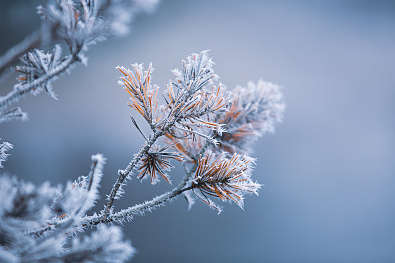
column 36, row 64
column 196, row 72
column 198, row 115
column 4, row 147
column 12, row 114
column 189, row 199
column 81, row 23
column 192, row 103
column 255, row 110
column 22, row 203
column 36, row 206
column 78, row 24
column 144, row 97
column 36, row 222
column 193, row 119
column 188, row 147
column 104, row 245
column 81, row 195
column 227, row 179
column 156, row 163
column 193, row 98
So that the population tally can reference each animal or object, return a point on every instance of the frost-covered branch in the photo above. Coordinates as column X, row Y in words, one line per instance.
column 12, row 55
column 21, row 90
column 195, row 108
column 78, row 24
column 209, row 128
column 195, row 94
column 139, row 209
column 124, row 174
column 12, row 114
column 56, row 214
column 104, row 245
column 255, row 110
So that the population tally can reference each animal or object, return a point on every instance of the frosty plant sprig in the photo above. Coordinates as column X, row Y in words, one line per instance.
column 192, row 103
column 74, row 24
column 195, row 120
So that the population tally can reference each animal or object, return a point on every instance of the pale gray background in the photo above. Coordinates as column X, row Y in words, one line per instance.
column 328, row 171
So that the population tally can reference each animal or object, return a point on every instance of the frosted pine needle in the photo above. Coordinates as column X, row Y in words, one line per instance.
column 193, row 99
column 144, row 98
column 36, row 64
column 156, row 162
column 227, row 179
column 196, row 73
column 188, row 147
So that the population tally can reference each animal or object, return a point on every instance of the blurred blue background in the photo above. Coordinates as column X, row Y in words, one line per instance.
column 328, row 172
